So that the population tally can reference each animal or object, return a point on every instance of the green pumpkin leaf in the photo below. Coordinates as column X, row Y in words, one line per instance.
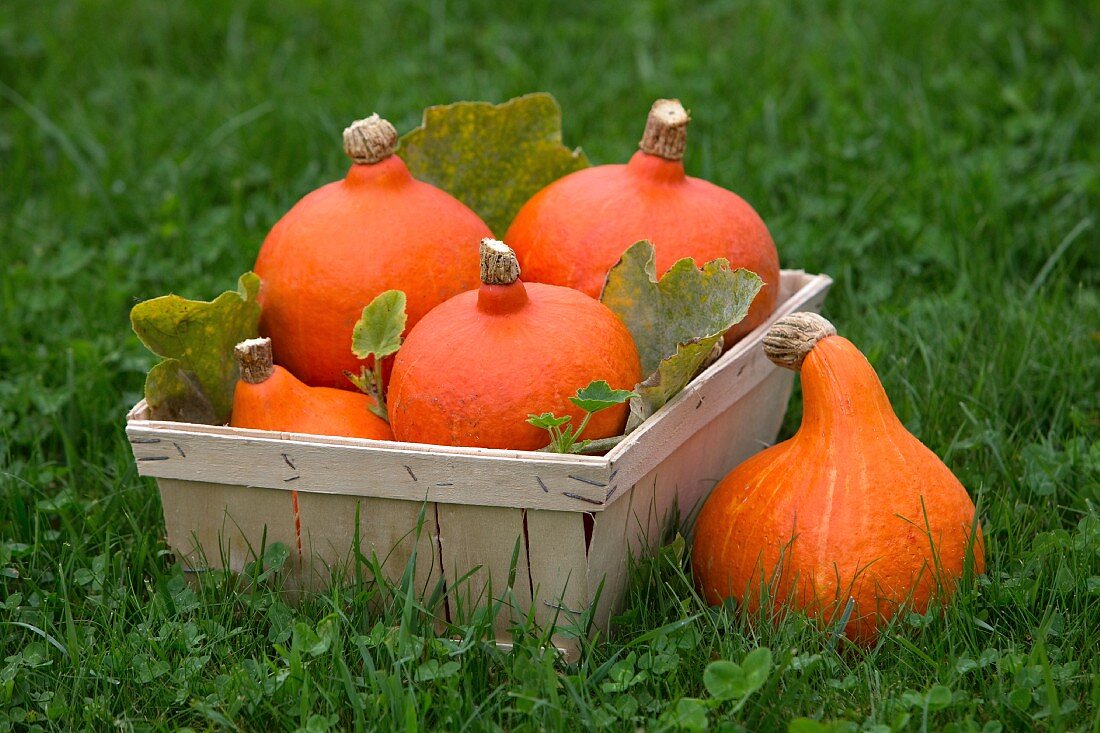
column 378, row 331
column 598, row 396
column 687, row 304
column 195, row 381
column 548, row 420
column 492, row 157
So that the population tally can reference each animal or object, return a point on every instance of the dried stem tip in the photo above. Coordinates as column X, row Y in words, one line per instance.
column 370, row 140
column 666, row 130
column 254, row 360
column 499, row 265
column 792, row 337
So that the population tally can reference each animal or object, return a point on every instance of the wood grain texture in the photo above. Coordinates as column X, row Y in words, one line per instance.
column 216, row 526
column 388, row 530
column 559, row 573
column 613, row 542
column 477, row 545
column 368, row 468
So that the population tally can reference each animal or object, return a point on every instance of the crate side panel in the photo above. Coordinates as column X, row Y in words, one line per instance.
column 676, row 489
column 223, row 526
column 389, row 530
column 477, row 544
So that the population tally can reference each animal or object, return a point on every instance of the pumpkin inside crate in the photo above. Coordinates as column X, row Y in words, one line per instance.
column 571, row 521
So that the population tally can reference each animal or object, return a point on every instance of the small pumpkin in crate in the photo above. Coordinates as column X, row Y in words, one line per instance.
column 574, row 230
column 850, row 518
column 348, row 241
column 268, row 397
column 473, row 370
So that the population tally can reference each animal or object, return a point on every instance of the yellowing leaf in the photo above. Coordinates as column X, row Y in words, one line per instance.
column 676, row 322
column 671, row 376
column 688, row 303
column 195, row 381
column 492, row 157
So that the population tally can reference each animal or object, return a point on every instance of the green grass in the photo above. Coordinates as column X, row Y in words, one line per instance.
column 939, row 160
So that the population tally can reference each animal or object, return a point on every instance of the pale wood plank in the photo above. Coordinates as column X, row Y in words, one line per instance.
column 608, row 560
column 559, row 572
column 224, row 526
column 477, row 544
column 388, row 530
column 369, row 470
column 678, row 487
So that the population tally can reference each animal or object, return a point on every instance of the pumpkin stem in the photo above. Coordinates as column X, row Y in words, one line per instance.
column 370, row 140
column 499, row 265
column 666, row 130
column 792, row 337
column 254, row 359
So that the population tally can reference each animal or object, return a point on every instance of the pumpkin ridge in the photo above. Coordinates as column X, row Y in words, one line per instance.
column 747, row 488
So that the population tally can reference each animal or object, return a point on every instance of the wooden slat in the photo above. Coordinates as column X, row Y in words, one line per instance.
column 608, row 558
column 139, row 414
column 477, row 544
column 388, row 531
column 369, row 470
column 215, row 526
column 559, row 571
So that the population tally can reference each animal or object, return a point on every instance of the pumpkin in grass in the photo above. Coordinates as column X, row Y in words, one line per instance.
column 268, row 397
column 574, row 230
column 473, row 370
column 350, row 240
column 853, row 514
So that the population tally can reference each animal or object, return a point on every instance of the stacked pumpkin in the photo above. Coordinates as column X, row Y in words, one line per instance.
column 850, row 519
column 481, row 356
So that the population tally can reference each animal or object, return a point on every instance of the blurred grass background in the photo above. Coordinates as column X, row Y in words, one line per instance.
column 939, row 160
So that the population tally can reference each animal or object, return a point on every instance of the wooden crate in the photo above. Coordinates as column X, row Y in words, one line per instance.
column 568, row 522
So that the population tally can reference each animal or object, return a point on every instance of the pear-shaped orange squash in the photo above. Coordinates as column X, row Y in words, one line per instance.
column 575, row 230
column 851, row 514
column 268, row 397
column 350, row 240
column 474, row 368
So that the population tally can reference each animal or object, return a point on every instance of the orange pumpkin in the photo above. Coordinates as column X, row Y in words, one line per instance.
column 350, row 240
column 852, row 507
column 575, row 230
column 474, row 368
column 268, row 397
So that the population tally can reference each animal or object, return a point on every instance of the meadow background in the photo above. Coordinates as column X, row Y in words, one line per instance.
column 940, row 160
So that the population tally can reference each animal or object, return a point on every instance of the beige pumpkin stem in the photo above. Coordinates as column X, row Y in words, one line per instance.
column 255, row 360
column 499, row 265
column 370, row 140
column 666, row 130
column 792, row 337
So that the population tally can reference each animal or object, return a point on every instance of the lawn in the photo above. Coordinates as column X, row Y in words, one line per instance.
column 941, row 161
